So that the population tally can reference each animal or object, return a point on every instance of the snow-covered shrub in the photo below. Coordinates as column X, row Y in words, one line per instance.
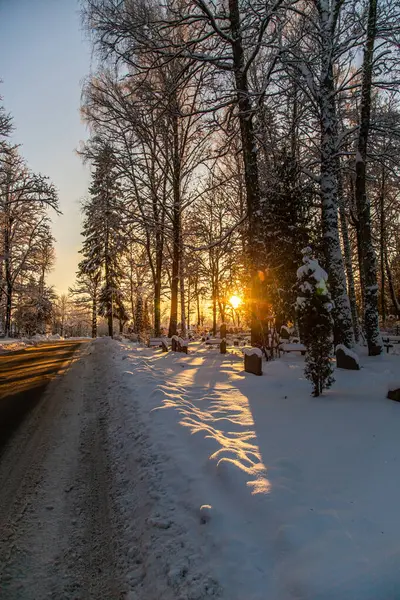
column 314, row 306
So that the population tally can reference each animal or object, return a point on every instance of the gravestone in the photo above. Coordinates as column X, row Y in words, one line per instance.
column 222, row 331
column 253, row 363
column 345, row 360
column 375, row 350
column 222, row 346
column 284, row 333
column 394, row 394
column 164, row 346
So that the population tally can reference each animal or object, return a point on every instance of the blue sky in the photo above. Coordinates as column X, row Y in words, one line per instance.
column 44, row 57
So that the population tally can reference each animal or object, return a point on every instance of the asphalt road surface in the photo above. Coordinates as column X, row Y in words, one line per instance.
column 24, row 376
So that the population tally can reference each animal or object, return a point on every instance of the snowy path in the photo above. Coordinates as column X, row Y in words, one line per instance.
column 56, row 529
column 82, row 512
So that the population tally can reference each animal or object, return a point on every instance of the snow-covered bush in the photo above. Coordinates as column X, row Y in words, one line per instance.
column 314, row 306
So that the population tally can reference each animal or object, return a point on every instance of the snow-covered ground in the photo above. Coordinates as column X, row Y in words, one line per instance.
column 255, row 490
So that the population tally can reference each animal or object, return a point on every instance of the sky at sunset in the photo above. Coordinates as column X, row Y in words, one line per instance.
column 44, row 57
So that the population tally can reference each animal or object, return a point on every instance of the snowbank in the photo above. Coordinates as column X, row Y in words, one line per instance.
column 12, row 344
column 273, row 493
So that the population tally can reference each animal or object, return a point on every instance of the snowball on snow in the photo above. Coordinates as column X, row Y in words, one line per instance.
column 252, row 351
column 348, row 352
column 205, row 513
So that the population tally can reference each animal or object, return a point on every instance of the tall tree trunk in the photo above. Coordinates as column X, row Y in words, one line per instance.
column 371, row 317
column 159, row 251
column 395, row 300
column 157, row 289
column 347, row 258
column 109, row 290
column 343, row 326
column 109, row 296
column 94, row 316
column 7, row 329
column 251, row 175
column 176, row 228
column 293, row 127
column 188, row 302
column 157, row 307
column 183, row 306
column 197, row 302
column 214, row 310
column 132, row 290
column 382, row 244
column 8, row 277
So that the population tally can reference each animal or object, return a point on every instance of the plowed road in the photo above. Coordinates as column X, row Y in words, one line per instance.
column 24, row 376
column 56, row 531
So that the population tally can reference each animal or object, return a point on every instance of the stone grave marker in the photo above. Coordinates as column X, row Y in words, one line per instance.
column 253, row 361
column 346, row 359
column 394, row 393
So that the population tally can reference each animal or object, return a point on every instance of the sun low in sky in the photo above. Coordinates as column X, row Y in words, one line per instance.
column 235, row 301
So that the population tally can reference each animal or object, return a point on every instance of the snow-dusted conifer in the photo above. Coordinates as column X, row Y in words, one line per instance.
column 314, row 306
column 103, row 233
column 286, row 222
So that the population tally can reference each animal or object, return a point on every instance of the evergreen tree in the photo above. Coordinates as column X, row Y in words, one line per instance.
column 286, row 224
column 314, row 306
column 103, row 233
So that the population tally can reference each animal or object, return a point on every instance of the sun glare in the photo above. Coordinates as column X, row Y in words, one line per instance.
column 235, row 301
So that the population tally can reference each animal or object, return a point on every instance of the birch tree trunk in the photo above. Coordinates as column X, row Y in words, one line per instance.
column 348, row 259
column 382, row 244
column 371, row 317
column 395, row 300
column 343, row 327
